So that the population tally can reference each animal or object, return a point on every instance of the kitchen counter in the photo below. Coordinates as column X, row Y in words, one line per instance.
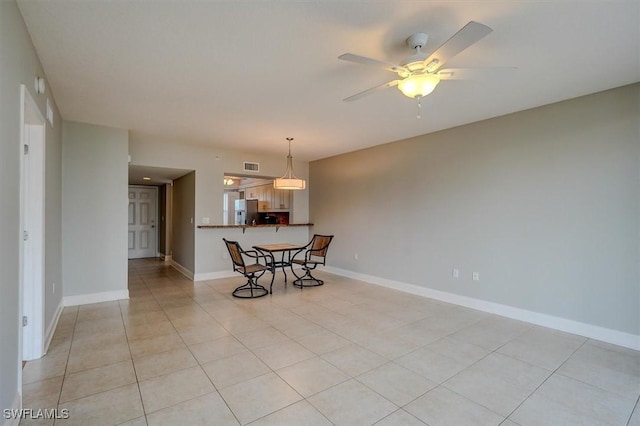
column 244, row 227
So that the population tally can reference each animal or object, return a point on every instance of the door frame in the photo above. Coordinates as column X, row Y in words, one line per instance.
column 32, row 221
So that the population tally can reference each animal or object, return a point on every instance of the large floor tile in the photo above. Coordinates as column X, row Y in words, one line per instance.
column 42, row 394
column 261, row 337
column 389, row 345
column 89, row 382
column 85, row 359
column 398, row 384
column 442, row 407
column 492, row 332
column 300, row 413
column 44, row 368
column 155, row 344
column 352, row 403
column 222, row 347
column 576, row 401
column 107, row 408
column 283, row 354
column 635, row 417
column 311, row 376
column 209, row 409
column 323, row 342
column 498, row 382
column 611, row 370
column 158, row 364
column 543, row 347
column 432, row 365
column 202, row 333
column 400, row 418
column 258, row 397
column 164, row 391
column 354, row 360
column 235, row 369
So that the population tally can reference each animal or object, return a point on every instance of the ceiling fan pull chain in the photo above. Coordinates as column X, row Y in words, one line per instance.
column 419, row 107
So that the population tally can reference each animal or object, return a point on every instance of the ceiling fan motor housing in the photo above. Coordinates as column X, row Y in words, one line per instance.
column 415, row 62
column 417, row 40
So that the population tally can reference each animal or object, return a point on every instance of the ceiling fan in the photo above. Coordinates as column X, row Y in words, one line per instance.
column 419, row 74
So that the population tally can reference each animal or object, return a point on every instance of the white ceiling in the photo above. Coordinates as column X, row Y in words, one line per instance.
column 247, row 74
column 154, row 175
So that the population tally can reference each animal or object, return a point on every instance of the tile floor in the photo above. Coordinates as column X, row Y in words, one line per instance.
column 346, row 353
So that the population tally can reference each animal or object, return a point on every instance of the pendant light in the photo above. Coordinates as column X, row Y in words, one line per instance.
column 289, row 180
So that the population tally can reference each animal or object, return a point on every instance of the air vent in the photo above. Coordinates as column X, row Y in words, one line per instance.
column 251, row 167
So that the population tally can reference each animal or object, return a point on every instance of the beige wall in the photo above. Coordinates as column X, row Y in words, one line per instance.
column 20, row 65
column 183, row 211
column 544, row 204
column 94, row 217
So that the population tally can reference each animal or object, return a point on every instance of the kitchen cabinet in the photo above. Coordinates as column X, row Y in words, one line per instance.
column 270, row 199
column 281, row 199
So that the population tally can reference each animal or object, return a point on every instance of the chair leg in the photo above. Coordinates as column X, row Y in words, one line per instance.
column 306, row 280
column 250, row 290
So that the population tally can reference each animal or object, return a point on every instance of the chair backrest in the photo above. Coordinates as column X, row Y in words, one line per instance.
column 320, row 245
column 235, row 251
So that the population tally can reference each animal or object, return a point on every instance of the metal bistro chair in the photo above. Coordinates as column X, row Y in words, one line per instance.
column 311, row 255
column 252, row 272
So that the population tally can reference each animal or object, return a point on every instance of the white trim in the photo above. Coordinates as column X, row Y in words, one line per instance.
column 52, row 327
column 615, row 337
column 85, row 299
column 184, row 271
column 17, row 405
column 222, row 274
column 165, row 257
column 214, row 275
column 32, row 212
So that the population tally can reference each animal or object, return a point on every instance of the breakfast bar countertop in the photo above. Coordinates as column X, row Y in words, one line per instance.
column 272, row 225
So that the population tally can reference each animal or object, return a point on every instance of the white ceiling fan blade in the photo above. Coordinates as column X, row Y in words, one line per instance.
column 468, row 35
column 370, row 91
column 474, row 73
column 350, row 57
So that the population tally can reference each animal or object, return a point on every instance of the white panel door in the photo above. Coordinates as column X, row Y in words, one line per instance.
column 143, row 209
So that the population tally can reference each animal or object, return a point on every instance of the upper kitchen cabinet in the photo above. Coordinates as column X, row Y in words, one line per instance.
column 281, row 199
column 270, row 199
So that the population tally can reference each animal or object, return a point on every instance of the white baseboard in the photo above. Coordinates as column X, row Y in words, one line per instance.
column 165, row 257
column 615, row 337
column 184, row 271
column 85, row 299
column 52, row 326
column 15, row 407
column 221, row 274
column 214, row 275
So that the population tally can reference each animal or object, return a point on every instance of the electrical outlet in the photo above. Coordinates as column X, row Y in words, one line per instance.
column 476, row 276
column 54, row 287
column 355, row 256
column 205, row 220
column 455, row 273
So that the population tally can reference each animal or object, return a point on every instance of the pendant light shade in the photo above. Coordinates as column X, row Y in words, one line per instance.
column 289, row 179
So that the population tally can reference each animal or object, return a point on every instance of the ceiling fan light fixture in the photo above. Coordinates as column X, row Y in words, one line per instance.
column 289, row 180
column 418, row 85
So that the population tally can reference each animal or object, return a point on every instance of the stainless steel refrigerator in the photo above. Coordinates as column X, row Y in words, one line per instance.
column 246, row 212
